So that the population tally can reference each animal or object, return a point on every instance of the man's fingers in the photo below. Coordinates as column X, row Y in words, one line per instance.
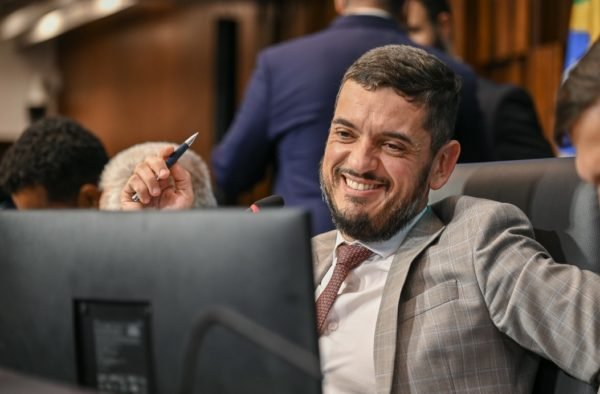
column 181, row 177
column 149, row 177
column 157, row 164
column 158, row 167
column 137, row 186
column 166, row 151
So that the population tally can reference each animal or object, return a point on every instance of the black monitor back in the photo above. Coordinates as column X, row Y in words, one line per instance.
column 110, row 298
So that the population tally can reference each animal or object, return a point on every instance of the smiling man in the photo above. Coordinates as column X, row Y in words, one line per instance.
column 378, row 166
column 451, row 297
column 410, row 298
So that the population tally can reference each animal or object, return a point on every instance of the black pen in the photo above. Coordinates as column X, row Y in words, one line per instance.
column 173, row 157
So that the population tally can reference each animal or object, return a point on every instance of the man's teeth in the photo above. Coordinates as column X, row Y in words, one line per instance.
column 359, row 186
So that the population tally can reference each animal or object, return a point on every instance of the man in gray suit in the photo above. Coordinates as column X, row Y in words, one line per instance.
column 452, row 297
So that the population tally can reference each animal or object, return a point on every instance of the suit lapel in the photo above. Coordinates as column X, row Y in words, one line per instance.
column 322, row 246
column 425, row 231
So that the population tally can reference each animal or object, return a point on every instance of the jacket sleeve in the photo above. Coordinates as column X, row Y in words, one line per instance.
column 549, row 308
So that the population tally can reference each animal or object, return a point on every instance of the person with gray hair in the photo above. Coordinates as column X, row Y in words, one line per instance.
column 455, row 296
column 118, row 170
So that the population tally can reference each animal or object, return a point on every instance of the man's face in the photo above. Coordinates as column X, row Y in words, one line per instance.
column 585, row 134
column 420, row 28
column 375, row 170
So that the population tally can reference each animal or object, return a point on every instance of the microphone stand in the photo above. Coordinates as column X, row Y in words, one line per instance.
column 264, row 338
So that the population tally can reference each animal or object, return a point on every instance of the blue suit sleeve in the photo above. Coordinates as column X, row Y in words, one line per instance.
column 242, row 157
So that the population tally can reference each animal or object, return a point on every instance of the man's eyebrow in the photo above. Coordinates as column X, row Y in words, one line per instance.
column 387, row 134
column 399, row 136
column 343, row 122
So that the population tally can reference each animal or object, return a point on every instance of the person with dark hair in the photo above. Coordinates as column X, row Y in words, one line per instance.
column 283, row 120
column 456, row 296
column 511, row 124
column 55, row 163
column 578, row 113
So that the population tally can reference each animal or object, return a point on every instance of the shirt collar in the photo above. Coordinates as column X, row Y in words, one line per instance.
column 370, row 11
column 385, row 248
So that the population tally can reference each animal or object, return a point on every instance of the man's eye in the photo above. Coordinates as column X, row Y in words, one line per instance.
column 343, row 134
column 393, row 148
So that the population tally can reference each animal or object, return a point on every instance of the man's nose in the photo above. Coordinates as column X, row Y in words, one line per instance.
column 363, row 157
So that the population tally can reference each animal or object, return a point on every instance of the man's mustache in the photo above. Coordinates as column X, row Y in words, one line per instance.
column 369, row 176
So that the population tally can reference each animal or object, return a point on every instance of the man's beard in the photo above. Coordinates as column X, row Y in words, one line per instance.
column 393, row 217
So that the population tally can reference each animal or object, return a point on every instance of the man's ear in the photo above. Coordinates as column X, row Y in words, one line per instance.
column 89, row 196
column 443, row 164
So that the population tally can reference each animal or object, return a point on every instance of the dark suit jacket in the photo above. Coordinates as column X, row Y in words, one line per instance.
column 285, row 116
column 511, row 123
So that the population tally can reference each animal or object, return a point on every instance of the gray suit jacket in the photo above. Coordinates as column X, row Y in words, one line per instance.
column 471, row 302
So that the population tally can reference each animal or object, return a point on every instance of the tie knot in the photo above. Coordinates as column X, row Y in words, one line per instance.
column 352, row 255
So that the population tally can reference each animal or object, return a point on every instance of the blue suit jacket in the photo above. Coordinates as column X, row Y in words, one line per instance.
column 285, row 115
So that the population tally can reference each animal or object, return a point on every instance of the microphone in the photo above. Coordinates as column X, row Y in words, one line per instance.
column 272, row 201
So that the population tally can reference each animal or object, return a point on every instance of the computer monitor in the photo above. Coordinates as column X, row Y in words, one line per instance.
column 109, row 299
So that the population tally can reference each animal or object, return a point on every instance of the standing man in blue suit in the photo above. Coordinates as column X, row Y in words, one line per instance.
column 285, row 116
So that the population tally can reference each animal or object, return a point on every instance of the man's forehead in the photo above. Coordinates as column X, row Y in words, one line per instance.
column 355, row 92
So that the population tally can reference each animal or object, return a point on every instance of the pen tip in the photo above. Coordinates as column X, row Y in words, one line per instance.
column 191, row 140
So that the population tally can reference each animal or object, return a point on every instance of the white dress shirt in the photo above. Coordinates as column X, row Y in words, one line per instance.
column 347, row 344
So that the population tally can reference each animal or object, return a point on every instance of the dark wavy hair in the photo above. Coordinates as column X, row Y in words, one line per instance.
column 56, row 153
column 419, row 77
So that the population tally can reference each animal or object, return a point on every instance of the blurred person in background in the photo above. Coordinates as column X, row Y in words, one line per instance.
column 122, row 165
column 284, row 118
column 578, row 113
column 511, row 124
column 55, row 163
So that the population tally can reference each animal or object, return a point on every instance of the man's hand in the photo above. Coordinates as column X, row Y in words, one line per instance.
column 157, row 186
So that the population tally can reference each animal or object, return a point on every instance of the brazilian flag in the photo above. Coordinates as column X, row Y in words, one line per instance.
column 584, row 28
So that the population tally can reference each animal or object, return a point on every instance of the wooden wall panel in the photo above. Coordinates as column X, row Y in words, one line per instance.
column 459, row 18
column 503, row 29
column 522, row 23
column 150, row 76
column 482, row 33
column 517, row 41
column 544, row 68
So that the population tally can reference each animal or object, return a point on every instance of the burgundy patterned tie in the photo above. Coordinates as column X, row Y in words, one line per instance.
column 348, row 257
